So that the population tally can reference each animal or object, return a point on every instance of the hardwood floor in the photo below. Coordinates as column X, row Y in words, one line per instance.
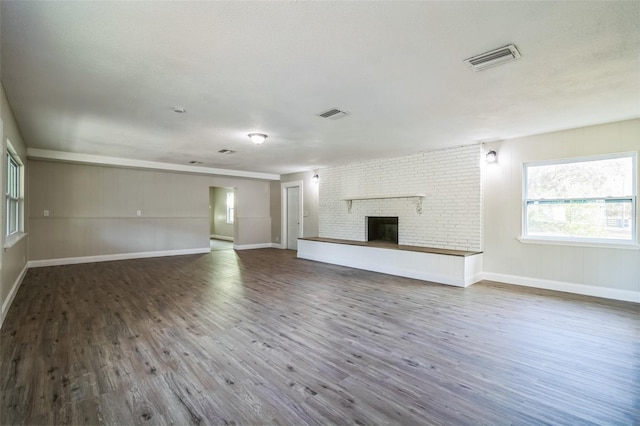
column 260, row 337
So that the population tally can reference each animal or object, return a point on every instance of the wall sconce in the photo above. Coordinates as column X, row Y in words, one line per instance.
column 257, row 138
column 492, row 157
column 315, row 178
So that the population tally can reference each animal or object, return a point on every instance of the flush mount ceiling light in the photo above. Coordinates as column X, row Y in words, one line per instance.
column 492, row 157
column 257, row 138
column 494, row 57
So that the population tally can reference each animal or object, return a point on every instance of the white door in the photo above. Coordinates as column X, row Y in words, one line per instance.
column 293, row 217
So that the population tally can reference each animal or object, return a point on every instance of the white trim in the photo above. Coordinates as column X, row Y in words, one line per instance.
column 559, row 242
column 72, row 157
column 586, row 290
column 283, row 208
column 12, row 293
column 277, row 246
column 251, row 246
column 112, row 257
column 13, row 239
column 220, row 237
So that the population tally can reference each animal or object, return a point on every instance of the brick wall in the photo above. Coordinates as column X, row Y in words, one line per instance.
column 451, row 209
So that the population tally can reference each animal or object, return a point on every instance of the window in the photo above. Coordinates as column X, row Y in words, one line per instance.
column 582, row 200
column 13, row 192
column 230, row 207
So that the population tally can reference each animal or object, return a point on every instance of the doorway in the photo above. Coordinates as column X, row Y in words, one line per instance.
column 292, row 217
column 222, row 215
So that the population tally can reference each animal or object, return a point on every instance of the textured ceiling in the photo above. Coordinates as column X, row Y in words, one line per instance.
column 102, row 77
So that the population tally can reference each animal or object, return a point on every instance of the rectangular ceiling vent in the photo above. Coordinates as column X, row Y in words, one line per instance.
column 502, row 55
column 333, row 114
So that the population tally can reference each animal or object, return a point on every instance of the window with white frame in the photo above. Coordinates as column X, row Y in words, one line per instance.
column 582, row 199
column 13, row 192
column 230, row 207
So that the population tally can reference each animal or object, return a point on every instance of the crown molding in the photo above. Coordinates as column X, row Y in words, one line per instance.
column 72, row 157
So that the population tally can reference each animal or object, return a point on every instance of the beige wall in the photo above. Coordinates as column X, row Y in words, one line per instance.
column 310, row 201
column 13, row 259
column 218, row 211
column 504, row 255
column 93, row 210
column 274, row 209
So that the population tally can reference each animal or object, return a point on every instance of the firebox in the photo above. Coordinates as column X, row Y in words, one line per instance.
column 382, row 228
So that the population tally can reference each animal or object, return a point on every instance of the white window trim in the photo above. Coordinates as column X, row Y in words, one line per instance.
column 577, row 241
column 12, row 239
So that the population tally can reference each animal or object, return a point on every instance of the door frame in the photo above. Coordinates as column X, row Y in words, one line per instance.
column 283, row 209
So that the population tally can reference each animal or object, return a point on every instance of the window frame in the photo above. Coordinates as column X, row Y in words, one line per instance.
column 583, row 241
column 14, row 196
column 230, row 207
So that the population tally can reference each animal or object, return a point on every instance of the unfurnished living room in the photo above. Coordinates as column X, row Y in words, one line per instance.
column 310, row 213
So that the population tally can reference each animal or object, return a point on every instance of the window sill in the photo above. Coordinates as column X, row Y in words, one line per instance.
column 557, row 242
column 13, row 239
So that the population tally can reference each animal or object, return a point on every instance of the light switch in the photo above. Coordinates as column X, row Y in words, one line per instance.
column 138, row 212
column 46, row 213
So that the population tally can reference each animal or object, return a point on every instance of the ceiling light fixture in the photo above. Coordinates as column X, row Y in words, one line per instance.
column 315, row 178
column 492, row 157
column 257, row 138
column 179, row 110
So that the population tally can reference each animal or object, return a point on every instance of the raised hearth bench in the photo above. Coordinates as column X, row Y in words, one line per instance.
column 452, row 267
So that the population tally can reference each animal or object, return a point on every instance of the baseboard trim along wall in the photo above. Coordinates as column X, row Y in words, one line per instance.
column 252, row 246
column 12, row 294
column 221, row 237
column 585, row 290
column 111, row 257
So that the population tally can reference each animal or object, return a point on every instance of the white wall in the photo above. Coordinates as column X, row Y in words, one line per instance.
column 605, row 272
column 451, row 210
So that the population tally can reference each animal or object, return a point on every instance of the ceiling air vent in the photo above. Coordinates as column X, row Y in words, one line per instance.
column 494, row 57
column 226, row 151
column 333, row 114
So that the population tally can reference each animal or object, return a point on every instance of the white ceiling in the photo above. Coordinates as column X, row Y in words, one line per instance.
column 101, row 77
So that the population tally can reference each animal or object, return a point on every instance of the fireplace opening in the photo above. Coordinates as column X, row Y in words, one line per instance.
column 382, row 228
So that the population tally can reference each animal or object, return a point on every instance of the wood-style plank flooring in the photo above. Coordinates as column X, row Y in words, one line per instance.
column 260, row 337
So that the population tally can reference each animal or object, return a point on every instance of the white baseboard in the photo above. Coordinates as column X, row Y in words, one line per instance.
column 221, row 237
column 276, row 246
column 473, row 279
column 111, row 257
column 12, row 293
column 586, row 290
column 252, row 246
